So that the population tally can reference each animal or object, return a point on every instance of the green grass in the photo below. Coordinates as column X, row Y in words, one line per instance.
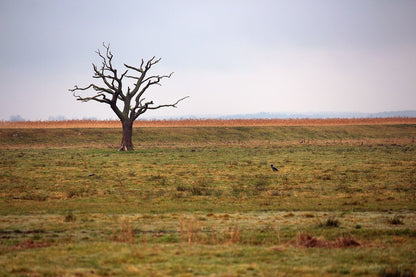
column 204, row 201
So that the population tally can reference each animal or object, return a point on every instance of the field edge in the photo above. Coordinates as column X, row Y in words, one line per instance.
column 206, row 123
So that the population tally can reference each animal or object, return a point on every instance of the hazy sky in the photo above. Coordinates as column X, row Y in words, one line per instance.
column 230, row 57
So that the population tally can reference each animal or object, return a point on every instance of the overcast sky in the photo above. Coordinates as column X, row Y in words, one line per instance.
column 230, row 57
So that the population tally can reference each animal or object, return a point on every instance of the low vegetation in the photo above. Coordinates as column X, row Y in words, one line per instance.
column 204, row 201
column 206, row 123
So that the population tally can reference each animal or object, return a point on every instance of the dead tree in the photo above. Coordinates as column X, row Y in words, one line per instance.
column 128, row 104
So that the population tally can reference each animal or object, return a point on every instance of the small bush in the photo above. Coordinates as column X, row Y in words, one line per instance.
column 325, row 177
column 70, row 217
column 76, row 192
column 158, row 180
column 330, row 222
column 196, row 190
column 181, row 188
column 396, row 220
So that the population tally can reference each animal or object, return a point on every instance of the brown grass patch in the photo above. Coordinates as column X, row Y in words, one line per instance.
column 29, row 244
column 125, row 233
column 306, row 240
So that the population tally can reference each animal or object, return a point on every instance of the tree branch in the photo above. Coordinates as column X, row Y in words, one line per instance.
column 168, row 105
column 150, row 83
column 139, row 69
column 157, row 77
column 96, row 97
column 143, row 108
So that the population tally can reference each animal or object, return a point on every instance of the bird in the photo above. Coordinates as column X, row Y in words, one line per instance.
column 274, row 168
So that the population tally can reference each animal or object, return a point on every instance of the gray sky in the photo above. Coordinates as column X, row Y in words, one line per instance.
column 230, row 57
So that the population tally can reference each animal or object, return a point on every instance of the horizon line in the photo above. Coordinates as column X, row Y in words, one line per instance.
column 259, row 115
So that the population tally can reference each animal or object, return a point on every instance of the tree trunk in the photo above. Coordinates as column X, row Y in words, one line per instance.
column 126, row 142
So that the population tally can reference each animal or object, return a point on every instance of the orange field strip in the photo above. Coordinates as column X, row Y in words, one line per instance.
column 206, row 123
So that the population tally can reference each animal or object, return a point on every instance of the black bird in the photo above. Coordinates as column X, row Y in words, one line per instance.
column 274, row 168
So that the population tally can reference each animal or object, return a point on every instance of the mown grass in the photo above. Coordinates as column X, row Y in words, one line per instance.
column 224, row 179
column 201, row 201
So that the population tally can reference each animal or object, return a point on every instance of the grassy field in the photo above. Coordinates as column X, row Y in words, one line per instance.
column 194, row 201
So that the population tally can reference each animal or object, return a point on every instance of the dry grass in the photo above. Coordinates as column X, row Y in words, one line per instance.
column 306, row 240
column 60, row 124
column 191, row 231
column 207, row 123
column 214, row 244
column 29, row 244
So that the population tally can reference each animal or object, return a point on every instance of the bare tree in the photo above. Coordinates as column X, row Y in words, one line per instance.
column 127, row 105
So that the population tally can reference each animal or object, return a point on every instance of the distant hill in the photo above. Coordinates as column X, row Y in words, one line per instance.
column 261, row 115
column 264, row 115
